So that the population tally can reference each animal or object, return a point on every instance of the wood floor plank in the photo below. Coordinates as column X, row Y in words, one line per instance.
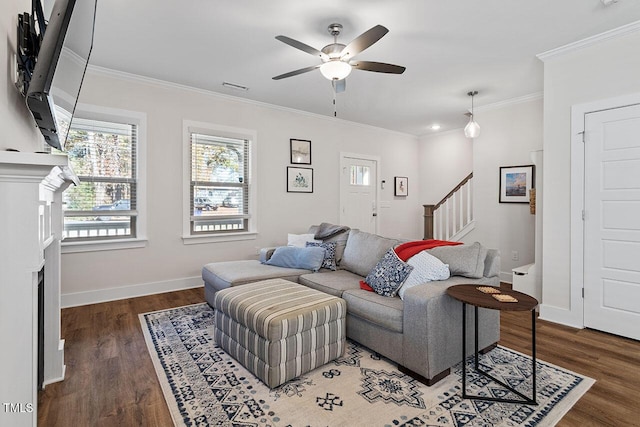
column 110, row 379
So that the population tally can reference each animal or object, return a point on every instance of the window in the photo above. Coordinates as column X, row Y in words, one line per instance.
column 103, row 154
column 220, row 200
column 359, row 175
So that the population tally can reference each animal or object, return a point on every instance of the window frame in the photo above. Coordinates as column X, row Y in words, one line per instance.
column 216, row 130
column 105, row 114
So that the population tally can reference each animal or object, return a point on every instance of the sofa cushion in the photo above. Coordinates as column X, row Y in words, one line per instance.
column 294, row 257
column 383, row 311
column 388, row 274
column 329, row 260
column 463, row 260
column 492, row 263
column 331, row 282
column 363, row 251
column 221, row 275
column 426, row 268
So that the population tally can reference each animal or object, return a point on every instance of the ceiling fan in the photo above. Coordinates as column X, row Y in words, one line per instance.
column 337, row 58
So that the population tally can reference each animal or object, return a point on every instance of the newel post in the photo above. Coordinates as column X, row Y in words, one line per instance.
column 428, row 221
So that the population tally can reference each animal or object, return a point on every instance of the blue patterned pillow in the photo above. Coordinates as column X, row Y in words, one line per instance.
column 389, row 274
column 329, row 260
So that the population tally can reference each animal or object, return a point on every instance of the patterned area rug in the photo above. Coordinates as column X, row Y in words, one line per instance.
column 204, row 386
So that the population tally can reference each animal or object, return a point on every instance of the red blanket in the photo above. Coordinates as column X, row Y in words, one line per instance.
column 409, row 249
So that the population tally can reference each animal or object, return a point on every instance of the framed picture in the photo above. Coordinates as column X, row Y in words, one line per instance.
column 401, row 186
column 299, row 180
column 300, row 150
column 515, row 183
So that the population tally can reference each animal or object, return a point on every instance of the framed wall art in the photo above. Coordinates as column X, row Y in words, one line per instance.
column 300, row 151
column 515, row 183
column 299, row 180
column 401, row 186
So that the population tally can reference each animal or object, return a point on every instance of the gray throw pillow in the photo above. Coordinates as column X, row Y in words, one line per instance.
column 463, row 260
column 363, row 251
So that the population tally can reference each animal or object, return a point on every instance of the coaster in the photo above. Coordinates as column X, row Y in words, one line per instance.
column 504, row 298
column 488, row 289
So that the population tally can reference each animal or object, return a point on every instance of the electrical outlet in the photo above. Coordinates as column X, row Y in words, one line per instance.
column 515, row 256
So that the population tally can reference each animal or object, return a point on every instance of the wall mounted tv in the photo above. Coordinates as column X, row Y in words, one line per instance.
column 53, row 85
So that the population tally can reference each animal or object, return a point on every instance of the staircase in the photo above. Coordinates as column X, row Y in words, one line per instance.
column 452, row 217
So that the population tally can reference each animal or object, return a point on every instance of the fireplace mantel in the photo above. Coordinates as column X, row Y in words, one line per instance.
column 31, row 186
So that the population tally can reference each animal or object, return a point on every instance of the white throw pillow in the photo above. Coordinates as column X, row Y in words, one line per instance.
column 300, row 240
column 426, row 268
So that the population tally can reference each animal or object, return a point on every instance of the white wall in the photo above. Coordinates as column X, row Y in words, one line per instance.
column 607, row 69
column 445, row 160
column 19, row 130
column 509, row 132
column 86, row 276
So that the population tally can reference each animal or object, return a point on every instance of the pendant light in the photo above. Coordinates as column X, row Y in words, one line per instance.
column 472, row 129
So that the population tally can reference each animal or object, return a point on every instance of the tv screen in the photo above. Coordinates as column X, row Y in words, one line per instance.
column 60, row 67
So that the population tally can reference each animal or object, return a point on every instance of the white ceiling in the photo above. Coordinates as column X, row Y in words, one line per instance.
column 448, row 46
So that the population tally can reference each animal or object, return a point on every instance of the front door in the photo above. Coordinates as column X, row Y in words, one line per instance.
column 612, row 221
column 358, row 193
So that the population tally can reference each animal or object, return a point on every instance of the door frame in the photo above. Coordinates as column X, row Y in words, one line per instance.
column 343, row 156
column 575, row 316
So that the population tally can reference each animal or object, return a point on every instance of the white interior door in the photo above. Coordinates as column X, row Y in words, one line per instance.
column 358, row 193
column 612, row 221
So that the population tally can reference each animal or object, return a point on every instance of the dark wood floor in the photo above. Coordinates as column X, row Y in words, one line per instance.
column 110, row 380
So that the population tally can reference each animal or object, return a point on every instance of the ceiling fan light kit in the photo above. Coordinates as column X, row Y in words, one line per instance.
column 472, row 129
column 335, row 69
column 336, row 57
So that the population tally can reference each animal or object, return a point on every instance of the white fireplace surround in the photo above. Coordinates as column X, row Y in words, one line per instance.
column 31, row 186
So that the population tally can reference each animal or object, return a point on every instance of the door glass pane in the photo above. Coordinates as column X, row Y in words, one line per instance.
column 359, row 175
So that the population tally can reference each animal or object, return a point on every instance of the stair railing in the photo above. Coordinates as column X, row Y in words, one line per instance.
column 451, row 217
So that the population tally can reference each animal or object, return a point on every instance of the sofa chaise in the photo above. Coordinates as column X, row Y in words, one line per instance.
column 421, row 332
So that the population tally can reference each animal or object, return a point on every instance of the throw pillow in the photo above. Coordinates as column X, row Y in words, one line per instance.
column 294, row 257
column 329, row 260
column 388, row 275
column 426, row 268
column 300, row 240
column 463, row 260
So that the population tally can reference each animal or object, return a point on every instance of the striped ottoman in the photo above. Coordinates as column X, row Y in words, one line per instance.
column 278, row 329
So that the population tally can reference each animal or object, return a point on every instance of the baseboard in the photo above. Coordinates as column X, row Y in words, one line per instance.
column 506, row 276
column 560, row 315
column 131, row 291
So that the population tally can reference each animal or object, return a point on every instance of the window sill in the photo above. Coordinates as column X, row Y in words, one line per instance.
column 227, row 237
column 102, row 245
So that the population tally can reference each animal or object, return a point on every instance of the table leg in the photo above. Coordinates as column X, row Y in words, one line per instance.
column 524, row 399
column 533, row 352
column 464, row 350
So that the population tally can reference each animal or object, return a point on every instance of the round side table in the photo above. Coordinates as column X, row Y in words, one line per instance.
column 474, row 295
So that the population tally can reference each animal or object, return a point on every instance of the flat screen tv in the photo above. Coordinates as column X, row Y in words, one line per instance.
column 62, row 58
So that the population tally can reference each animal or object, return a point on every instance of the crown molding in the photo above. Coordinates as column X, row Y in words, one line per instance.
column 509, row 102
column 122, row 75
column 590, row 41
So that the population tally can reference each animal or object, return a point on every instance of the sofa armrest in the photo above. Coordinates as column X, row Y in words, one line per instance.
column 432, row 329
column 265, row 253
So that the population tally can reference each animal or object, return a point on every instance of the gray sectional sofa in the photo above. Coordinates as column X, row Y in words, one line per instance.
column 421, row 332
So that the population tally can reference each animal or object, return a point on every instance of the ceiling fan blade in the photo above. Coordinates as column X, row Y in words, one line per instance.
column 296, row 72
column 303, row 47
column 378, row 67
column 363, row 41
column 339, row 85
